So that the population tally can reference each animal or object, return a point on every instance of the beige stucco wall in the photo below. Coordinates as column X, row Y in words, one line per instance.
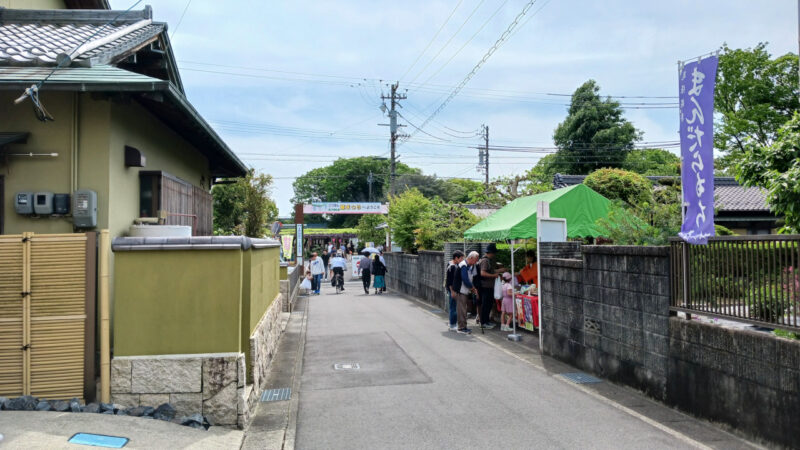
column 33, row 4
column 163, row 150
column 100, row 134
column 87, row 137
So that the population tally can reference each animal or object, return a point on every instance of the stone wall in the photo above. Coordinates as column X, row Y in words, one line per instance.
column 420, row 276
column 609, row 313
column 563, row 250
column 290, row 288
column 747, row 379
column 218, row 386
column 210, row 384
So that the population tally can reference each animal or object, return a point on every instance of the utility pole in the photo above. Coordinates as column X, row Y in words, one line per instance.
column 394, row 97
column 486, row 155
column 370, row 179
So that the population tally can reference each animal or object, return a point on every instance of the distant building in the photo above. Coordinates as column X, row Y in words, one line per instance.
column 743, row 210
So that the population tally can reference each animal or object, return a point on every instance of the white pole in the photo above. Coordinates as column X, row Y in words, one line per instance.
column 513, row 290
column 539, row 286
column 683, row 200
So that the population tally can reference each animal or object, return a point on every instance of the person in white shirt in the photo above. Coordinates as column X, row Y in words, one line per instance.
column 317, row 268
column 338, row 267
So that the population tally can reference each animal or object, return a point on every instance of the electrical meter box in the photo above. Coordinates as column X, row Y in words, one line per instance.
column 43, row 203
column 61, row 204
column 84, row 208
column 23, row 203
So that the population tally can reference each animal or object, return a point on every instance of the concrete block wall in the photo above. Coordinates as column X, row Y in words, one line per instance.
column 420, row 276
column 608, row 313
column 746, row 379
column 562, row 250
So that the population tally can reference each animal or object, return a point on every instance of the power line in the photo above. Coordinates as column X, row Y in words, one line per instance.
column 477, row 67
column 465, row 43
column 175, row 30
column 432, row 39
column 448, row 42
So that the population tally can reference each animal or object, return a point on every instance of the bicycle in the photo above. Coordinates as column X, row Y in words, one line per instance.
column 338, row 279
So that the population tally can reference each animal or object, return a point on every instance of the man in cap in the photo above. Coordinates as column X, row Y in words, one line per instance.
column 488, row 273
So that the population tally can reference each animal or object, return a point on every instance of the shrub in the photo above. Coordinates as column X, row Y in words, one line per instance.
column 617, row 184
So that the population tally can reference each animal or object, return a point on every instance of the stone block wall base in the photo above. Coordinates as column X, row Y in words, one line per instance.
column 208, row 384
column 264, row 343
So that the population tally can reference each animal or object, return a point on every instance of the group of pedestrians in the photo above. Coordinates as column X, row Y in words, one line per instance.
column 373, row 266
column 470, row 281
column 318, row 267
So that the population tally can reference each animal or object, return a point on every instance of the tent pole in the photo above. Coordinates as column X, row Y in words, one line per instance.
column 513, row 336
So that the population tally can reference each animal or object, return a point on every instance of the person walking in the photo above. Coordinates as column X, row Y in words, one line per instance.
column 317, row 268
column 379, row 271
column 365, row 264
column 452, row 294
column 462, row 283
column 325, row 257
column 486, row 268
column 338, row 267
column 383, row 261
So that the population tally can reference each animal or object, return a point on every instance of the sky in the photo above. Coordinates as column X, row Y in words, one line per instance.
column 293, row 85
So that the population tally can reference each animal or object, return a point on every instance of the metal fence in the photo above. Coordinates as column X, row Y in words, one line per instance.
column 752, row 279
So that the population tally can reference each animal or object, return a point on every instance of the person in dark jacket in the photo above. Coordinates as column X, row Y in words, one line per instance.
column 379, row 271
column 365, row 264
column 452, row 294
column 462, row 283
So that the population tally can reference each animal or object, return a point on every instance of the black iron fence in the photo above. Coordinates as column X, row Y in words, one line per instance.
column 753, row 279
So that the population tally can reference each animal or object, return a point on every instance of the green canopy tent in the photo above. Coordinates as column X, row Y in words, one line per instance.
column 579, row 204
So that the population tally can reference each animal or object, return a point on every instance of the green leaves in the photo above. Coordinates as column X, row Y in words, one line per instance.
column 594, row 134
column 617, row 184
column 777, row 169
column 366, row 228
column 244, row 207
column 408, row 212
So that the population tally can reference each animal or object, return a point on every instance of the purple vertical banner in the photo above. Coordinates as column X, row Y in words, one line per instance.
column 697, row 82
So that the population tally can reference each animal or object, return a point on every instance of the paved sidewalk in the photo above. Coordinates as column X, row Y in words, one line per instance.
column 52, row 430
column 419, row 385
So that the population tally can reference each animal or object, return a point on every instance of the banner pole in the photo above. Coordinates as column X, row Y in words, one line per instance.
column 683, row 198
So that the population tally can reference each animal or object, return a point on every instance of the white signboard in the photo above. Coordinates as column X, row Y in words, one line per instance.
column 548, row 229
column 345, row 208
column 299, row 232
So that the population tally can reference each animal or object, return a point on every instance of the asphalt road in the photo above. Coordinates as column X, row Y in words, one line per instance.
column 421, row 386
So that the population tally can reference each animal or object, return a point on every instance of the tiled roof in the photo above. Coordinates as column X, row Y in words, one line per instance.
column 89, row 77
column 730, row 196
column 37, row 38
column 740, row 198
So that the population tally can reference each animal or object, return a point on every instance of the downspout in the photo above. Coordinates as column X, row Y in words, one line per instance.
column 103, row 249
column 74, row 143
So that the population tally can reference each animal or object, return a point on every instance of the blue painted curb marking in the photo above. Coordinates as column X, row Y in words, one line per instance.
column 98, row 440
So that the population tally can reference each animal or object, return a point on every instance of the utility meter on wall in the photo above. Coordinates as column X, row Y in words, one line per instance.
column 23, row 203
column 84, row 209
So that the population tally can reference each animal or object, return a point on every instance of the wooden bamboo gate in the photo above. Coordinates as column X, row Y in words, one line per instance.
column 47, row 298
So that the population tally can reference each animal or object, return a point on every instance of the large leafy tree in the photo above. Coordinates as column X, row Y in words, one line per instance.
column 652, row 161
column 367, row 231
column 617, row 184
column 594, row 134
column 755, row 95
column 445, row 223
column 244, row 205
column 777, row 168
column 408, row 212
column 347, row 180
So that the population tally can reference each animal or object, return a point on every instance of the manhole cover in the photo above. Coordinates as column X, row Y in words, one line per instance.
column 581, row 378
column 346, row 366
column 276, row 395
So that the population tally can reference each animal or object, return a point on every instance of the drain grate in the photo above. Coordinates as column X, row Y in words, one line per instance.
column 346, row 366
column 581, row 378
column 276, row 395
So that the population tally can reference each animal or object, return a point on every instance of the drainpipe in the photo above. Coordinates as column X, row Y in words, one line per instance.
column 103, row 248
column 73, row 176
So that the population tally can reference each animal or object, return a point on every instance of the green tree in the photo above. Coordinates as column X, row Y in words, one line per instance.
column 616, row 184
column 755, row 94
column 652, row 161
column 366, row 228
column 594, row 134
column 408, row 212
column 777, row 168
column 244, row 206
column 445, row 223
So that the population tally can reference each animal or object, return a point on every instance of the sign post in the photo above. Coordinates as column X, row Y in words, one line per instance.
column 547, row 230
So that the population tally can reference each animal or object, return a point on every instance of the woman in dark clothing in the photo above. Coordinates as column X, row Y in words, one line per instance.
column 379, row 271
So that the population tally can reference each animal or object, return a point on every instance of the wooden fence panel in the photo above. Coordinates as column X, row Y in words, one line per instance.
column 203, row 210
column 11, row 312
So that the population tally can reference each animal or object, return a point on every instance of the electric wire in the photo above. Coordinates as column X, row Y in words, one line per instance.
column 432, row 39
column 175, row 30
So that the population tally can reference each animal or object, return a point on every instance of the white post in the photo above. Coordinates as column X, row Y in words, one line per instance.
column 539, row 288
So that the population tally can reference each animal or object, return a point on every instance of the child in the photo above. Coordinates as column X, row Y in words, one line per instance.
column 307, row 283
column 508, row 303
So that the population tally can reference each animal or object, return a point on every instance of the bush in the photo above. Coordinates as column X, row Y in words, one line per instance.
column 617, row 184
column 408, row 213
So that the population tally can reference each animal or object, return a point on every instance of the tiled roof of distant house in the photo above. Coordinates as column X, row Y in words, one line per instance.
column 730, row 196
